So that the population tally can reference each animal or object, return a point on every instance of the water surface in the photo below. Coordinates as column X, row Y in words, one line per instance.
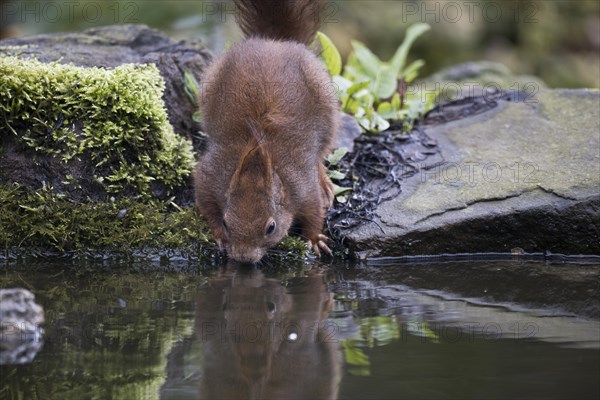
column 431, row 331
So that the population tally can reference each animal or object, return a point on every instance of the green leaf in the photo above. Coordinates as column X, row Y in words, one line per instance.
column 366, row 98
column 337, row 175
column 396, row 101
column 337, row 190
column 386, row 110
column 342, row 199
column 352, row 62
column 352, row 106
column 357, row 87
column 191, row 86
column 372, row 122
column 33, row 209
column 196, row 117
column 416, row 108
column 354, row 71
column 330, row 54
column 412, row 33
column 386, row 83
column 368, row 61
column 410, row 72
column 380, row 123
column 341, row 86
column 337, row 155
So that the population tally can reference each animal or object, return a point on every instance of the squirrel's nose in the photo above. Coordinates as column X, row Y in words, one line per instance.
column 246, row 255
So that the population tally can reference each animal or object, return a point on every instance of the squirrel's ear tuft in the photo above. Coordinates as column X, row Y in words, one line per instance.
column 255, row 165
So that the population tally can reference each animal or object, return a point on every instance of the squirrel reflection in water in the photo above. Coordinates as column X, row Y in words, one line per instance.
column 263, row 340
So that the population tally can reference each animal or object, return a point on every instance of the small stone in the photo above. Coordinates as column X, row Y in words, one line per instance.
column 20, row 326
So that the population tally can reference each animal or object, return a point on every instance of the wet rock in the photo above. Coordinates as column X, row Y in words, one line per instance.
column 20, row 326
column 347, row 132
column 523, row 174
column 479, row 78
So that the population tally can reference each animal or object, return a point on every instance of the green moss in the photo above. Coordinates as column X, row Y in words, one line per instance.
column 113, row 117
column 47, row 221
column 43, row 221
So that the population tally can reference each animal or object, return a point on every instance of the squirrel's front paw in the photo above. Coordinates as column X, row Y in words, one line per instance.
column 317, row 243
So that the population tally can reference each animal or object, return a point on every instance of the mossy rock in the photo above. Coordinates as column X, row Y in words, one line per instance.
column 110, row 123
column 99, row 112
column 115, row 45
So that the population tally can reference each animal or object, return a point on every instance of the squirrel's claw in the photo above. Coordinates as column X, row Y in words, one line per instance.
column 319, row 245
column 221, row 244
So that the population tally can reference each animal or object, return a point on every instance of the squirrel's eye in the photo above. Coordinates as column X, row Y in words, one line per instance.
column 271, row 228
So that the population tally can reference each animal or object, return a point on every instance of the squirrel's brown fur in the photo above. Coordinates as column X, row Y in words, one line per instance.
column 270, row 113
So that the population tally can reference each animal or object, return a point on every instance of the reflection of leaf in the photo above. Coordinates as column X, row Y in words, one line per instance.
column 358, row 362
column 379, row 330
column 422, row 329
column 330, row 54
column 360, row 371
column 355, row 356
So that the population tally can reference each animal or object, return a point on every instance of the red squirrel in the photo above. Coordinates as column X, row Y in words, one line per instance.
column 271, row 115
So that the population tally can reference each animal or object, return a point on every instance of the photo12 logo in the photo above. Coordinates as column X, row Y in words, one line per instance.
column 470, row 11
column 525, row 92
column 29, row 12
column 477, row 172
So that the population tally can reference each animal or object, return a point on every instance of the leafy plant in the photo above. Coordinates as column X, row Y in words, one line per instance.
column 336, row 174
column 192, row 89
column 375, row 92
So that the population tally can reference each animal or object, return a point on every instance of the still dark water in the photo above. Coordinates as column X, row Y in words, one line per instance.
column 494, row 330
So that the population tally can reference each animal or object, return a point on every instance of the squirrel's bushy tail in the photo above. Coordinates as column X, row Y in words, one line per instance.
column 295, row 20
